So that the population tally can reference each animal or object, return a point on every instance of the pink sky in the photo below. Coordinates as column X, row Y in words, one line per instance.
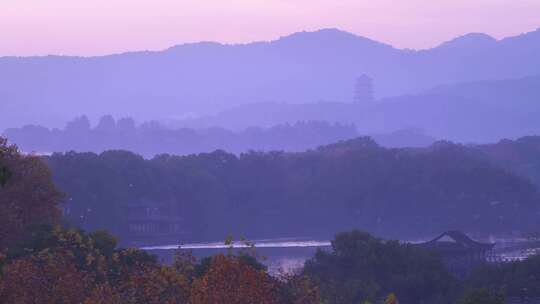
column 96, row 27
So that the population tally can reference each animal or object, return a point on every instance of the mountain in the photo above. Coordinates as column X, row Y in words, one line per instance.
column 204, row 78
column 469, row 42
column 478, row 111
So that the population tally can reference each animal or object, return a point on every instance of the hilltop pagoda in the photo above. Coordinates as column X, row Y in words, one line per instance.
column 363, row 89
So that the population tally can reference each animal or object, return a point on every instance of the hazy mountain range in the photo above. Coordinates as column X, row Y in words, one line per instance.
column 480, row 111
column 205, row 78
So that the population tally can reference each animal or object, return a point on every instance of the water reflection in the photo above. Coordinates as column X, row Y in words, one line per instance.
column 290, row 254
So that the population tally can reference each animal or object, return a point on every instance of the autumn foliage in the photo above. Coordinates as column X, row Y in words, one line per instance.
column 44, row 278
column 55, row 265
column 77, row 268
column 27, row 194
column 42, row 262
column 230, row 281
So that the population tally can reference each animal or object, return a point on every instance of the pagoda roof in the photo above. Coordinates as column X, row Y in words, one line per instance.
column 454, row 242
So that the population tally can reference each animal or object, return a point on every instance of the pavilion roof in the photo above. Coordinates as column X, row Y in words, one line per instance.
column 459, row 241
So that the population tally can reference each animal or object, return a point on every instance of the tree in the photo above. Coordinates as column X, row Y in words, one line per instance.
column 126, row 125
column 47, row 277
column 28, row 195
column 481, row 296
column 78, row 126
column 355, row 184
column 391, row 299
column 5, row 174
column 297, row 289
column 361, row 267
column 519, row 279
column 106, row 124
column 70, row 266
column 231, row 281
column 138, row 278
column 153, row 284
column 103, row 293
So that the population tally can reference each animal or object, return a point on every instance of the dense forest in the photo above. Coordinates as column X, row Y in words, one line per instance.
column 43, row 260
column 519, row 156
column 360, row 267
column 400, row 193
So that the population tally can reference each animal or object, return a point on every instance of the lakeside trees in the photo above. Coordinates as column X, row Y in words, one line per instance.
column 396, row 193
column 55, row 265
column 360, row 267
column 27, row 194
column 519, row 279
column 43, row 262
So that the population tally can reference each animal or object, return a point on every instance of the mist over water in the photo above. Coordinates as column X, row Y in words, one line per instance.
column 289, row 255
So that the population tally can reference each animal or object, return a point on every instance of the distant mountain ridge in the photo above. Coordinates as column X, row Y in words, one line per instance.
column 207, row 77
column 469, row 40
column 478, row 111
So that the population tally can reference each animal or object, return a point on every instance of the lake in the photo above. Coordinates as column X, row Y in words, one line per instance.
column 277, row 254
column 290, row 254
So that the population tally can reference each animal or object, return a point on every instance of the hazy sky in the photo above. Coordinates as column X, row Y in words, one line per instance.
column 91, row 27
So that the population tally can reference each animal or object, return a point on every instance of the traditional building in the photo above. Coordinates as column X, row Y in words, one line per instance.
column 459, row 252
column 363, row 89
column 150, row 223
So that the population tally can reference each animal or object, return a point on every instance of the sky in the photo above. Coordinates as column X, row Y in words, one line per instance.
column 99, row 27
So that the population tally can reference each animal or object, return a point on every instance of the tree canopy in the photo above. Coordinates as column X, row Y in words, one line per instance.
column 360, row 267
column 397, row 193
column 27, row 194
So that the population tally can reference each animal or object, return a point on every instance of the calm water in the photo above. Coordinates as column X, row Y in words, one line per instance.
column 290, row 254
column 278, row 254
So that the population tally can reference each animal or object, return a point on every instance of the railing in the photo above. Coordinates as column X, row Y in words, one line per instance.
column 523, row 300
